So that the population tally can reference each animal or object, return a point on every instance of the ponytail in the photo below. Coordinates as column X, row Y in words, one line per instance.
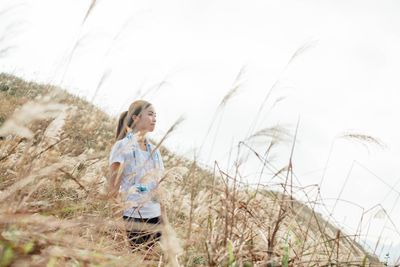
column 121, row 132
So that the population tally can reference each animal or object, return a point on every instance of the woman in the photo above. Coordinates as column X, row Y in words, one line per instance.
column 136, row 167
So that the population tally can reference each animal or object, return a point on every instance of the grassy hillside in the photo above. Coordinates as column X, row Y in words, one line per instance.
column 53, row 167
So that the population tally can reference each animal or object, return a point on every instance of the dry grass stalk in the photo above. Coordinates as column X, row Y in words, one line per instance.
column 89, row 11
column 18, row 123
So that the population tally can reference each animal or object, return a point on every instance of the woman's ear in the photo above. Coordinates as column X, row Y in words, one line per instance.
column 135, row 119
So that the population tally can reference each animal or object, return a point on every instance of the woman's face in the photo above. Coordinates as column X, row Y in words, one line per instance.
column 146, row 121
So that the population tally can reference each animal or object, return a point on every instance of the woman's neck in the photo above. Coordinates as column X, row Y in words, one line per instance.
column 141, row 139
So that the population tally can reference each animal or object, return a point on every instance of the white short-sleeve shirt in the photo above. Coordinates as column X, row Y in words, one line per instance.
column 141, row 171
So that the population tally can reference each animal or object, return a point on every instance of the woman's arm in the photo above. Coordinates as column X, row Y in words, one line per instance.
column 115, row 180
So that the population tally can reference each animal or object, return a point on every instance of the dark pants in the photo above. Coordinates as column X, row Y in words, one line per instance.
column 143, row 237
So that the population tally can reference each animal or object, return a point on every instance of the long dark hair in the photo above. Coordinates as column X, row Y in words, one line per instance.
column 125, row 119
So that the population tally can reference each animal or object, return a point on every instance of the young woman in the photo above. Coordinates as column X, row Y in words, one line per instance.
column 136, row 166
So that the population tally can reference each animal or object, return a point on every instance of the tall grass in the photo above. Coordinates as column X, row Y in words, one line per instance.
column 54, row 208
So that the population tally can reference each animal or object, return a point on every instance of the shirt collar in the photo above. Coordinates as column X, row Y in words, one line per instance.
column 131, row 136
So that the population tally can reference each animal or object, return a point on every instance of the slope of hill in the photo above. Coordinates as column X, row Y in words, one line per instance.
column 53, row 167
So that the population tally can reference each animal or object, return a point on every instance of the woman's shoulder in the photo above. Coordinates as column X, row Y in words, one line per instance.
column 128, row 142
column 119, row 143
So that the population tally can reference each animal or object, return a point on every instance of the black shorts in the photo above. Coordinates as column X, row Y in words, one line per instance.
column 141, row 237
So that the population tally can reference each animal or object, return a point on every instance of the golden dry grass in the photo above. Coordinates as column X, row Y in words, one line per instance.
column 54, row 212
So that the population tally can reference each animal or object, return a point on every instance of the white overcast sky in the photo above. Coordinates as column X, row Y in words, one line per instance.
column 347, row 79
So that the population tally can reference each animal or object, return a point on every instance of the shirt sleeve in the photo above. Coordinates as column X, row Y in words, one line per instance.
column 116, row 154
